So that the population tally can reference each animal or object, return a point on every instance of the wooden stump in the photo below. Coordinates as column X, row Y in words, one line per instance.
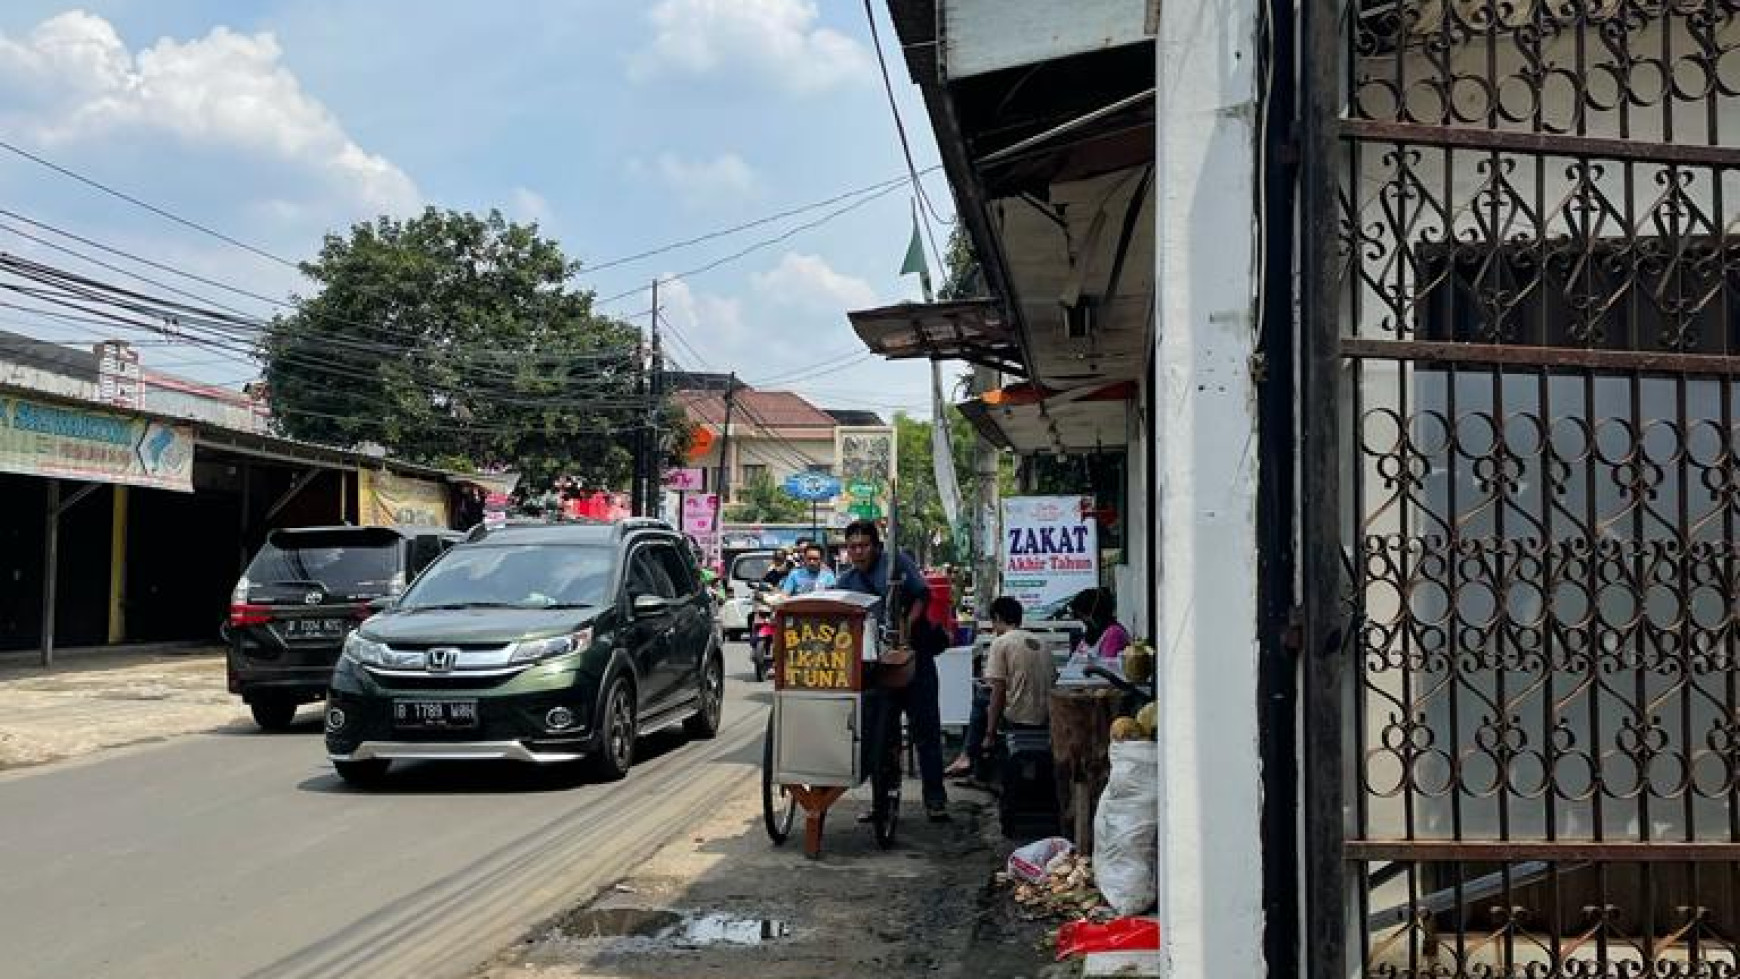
column 1081, row 738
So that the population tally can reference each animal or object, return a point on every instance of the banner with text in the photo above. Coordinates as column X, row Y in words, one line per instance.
column 40, row 439
column 1050, row 548
column 387, row 499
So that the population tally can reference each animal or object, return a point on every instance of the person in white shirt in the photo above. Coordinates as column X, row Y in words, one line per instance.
column 1016, row 689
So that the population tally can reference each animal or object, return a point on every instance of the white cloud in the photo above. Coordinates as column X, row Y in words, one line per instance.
column 713, row 326
column 703, row 183
column 809, row 282
column 73, row 80
column 527, row 205
column 777, row 40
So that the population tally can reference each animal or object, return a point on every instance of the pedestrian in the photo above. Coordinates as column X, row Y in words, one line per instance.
column 1014, row 691
column 809, row 576
column 1106, row 637
column 918, row 700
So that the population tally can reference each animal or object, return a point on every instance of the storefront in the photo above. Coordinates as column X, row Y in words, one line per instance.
column 139, row 524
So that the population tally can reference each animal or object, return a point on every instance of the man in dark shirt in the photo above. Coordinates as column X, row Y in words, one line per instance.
column 869, row 575
column 777, row 569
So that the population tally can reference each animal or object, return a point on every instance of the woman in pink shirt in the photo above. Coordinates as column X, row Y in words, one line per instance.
column 1097, row 608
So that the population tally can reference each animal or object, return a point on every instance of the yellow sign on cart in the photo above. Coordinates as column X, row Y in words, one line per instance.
column 820, row 654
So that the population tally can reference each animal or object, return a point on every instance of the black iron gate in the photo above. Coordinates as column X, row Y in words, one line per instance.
column 1523, row 585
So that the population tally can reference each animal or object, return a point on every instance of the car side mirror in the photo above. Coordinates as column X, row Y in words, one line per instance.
column 382, row 603
column 645, row 605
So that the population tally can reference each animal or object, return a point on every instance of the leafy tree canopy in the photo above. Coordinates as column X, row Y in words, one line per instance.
column 922, row 521
column 760, row 501
column 459, row 341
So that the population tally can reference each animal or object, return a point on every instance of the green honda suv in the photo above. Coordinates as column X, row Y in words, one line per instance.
column 539, row 643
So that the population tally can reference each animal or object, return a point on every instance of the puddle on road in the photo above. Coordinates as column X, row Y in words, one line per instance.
column 671, row 929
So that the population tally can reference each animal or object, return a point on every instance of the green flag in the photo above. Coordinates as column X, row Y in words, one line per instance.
column 914, row 261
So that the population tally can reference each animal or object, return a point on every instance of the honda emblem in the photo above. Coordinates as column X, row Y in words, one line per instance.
column 442, row 658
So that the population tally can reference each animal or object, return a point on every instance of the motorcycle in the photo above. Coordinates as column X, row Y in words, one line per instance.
column 761, row 628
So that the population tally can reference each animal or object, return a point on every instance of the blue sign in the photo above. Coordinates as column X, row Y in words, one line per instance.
column 812, row 487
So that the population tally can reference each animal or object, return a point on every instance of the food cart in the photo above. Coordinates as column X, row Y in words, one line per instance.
column 831, row 726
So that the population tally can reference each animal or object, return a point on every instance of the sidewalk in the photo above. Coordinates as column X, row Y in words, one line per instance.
column 93, row 699
column 723, row 902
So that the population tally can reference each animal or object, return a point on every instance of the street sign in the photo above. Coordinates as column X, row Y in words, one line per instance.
column 812, row 487
column 867, row 510
column 863, row 490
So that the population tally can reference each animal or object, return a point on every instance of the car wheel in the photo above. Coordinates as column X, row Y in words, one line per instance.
column 616, row 747
column 363, row 773
column 273, row 715
column 704, row 723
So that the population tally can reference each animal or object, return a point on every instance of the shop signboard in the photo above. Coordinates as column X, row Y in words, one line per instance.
column 698, row 513
column 811, row 487
column 387, row 499
column 42, row 439
column 1050, row 548
column 689, row 479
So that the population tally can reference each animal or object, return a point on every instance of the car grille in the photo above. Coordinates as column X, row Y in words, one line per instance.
column 399, row 680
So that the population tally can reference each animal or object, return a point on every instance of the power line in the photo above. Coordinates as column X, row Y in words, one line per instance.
column 764, row 243
column 748, row 225
column 899, row 124
column 154, row 209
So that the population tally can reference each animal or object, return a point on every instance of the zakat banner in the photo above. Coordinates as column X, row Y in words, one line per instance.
column 388, row 499
column 38, row 439
column 1050, row 548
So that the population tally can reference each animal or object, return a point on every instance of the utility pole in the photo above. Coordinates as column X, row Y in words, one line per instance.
column 720, row 486
column 987, row 518
column 655, row 481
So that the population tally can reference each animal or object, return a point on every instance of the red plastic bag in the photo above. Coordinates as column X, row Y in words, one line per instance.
column 1117, row 935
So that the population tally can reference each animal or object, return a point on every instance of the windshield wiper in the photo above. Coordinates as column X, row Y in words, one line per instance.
column 457, row 606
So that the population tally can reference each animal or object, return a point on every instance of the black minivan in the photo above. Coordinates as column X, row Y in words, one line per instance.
column 303, row 593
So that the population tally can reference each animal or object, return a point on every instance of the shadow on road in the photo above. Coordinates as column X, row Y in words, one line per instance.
column 488, row 777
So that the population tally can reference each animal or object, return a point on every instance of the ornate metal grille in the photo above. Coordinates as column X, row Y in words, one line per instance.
column 1540, row 299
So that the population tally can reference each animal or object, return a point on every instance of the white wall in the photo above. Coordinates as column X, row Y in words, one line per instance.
column 1206, row 610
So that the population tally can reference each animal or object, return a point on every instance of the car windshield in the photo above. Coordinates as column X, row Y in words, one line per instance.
column 362, row 567
column 515, row 576
column 752, row 567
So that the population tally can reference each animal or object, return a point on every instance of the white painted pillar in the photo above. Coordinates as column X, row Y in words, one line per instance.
column 1206, row 608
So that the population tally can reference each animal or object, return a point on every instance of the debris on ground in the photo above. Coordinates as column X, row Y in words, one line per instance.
column 1067, row 891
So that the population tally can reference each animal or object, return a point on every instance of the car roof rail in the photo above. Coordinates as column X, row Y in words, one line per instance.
column 627, row 524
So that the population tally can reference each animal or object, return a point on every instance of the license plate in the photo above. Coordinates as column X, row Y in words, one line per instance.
column 435, row 713
column 315, row 628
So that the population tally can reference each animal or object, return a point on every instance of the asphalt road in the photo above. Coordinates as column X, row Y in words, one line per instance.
column 240, row 854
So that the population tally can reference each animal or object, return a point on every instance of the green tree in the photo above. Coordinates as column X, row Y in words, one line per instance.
column 457, row 340
column 962, row 277
column 921, row 518
column 760, row 501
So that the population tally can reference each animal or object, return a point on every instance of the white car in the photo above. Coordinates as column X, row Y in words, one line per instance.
column 734, row 617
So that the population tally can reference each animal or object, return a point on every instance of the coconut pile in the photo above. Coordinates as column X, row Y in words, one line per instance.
column 1067, row 891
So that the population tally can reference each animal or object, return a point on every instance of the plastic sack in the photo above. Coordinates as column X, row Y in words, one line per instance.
column 1117, row 935
column 1127, row 828
column 1030, row 862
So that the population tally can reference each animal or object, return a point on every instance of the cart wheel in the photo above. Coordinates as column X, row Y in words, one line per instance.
column 778, row 807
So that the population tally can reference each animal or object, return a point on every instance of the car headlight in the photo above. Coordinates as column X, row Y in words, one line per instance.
column 365, row 651
column 531, row 650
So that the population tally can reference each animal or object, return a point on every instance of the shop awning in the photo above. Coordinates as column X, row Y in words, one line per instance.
column 1029, row 418
column 972, row 330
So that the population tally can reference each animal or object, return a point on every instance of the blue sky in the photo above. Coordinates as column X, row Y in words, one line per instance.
column 617, row 126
